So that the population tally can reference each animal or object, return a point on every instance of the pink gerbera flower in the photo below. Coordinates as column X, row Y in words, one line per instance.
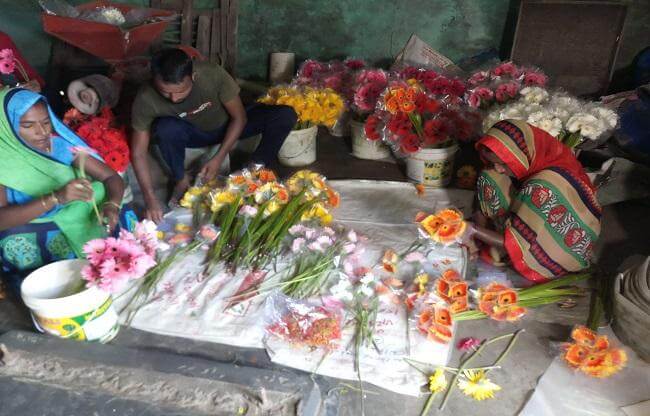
column 7, row 67
column 468, row 344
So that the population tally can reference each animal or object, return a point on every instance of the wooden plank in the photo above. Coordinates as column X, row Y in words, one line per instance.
column 233, row 27
column 203, row 35
column 223, row 29
column 215, row 38
column 187, row 23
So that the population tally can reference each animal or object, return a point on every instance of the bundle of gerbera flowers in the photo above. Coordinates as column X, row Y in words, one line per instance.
column 500, row 302
column 367, row 88
column 592, row 354
column 446, row 226
column 501, row 83
column 408, row 118
column 254, row 212
column 336, row 75
column 436, row 84
column 112, row 262
column 101, row 134
column 314, row 106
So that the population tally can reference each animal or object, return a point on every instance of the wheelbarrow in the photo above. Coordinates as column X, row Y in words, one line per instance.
column 109, row 42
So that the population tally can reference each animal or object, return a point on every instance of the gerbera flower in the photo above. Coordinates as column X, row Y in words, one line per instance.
column 476, row 385
column 371, row 128
column 437, row 381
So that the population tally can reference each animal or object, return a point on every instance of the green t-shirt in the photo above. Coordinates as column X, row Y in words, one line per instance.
column 204, row 108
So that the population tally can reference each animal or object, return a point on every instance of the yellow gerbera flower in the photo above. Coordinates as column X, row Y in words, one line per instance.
column 219, row 199
column 437, row 381
column 477, row 385
column 192, row 196
column 319, row 212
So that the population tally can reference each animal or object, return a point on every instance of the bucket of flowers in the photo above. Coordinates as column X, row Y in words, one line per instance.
column 422, row 128
column 368, row 86
column 314, row 107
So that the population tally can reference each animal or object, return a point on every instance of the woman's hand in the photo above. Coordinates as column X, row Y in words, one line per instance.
column 75, row 190
column 112, row 215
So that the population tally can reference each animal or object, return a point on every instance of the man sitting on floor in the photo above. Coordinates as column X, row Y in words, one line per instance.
column 197, row 104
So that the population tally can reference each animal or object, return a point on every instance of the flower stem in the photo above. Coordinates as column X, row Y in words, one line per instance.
column 82, row 173
column 476, row 353
column 427, row 405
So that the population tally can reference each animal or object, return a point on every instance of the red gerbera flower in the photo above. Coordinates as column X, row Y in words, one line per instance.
column 371, row 128
column 116, row 161
column 400, row 124
column 410, row 143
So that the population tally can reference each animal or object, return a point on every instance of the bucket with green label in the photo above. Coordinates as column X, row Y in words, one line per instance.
column 62, row 306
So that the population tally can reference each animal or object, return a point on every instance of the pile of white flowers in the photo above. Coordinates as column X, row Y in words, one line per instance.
column 560, row 114
column 112, row 15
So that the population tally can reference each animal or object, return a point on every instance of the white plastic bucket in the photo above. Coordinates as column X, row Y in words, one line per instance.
column 363, row 148
column 299, row 148
column 88, row 315
column 432, row 167
column 342, row 126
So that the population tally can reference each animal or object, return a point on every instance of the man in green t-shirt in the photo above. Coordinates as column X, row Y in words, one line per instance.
column 193, row 105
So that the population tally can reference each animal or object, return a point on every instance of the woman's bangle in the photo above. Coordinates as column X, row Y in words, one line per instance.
column 114, row 204
column 51, row 197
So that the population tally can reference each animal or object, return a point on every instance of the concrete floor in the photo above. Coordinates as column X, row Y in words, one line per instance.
column 624, row 233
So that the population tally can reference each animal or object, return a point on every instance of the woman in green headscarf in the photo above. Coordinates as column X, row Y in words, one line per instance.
column 46, row 210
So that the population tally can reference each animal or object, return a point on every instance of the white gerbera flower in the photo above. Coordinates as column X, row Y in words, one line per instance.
column 609, row 117
column 534, row 95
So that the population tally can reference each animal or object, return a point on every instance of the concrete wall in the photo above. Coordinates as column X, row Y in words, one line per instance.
column 370, row 29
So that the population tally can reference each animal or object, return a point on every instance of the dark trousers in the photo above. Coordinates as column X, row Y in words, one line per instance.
column 174, row 135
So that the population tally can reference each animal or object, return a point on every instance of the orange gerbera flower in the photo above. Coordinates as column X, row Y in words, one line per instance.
column 390, row 260
column 435, row 322
column 452, row 227
column 453, row 290
column 407, row 106
column 591, row 353
column 499, row 302
column 333, row 197
column 444, row 227
column 411, row 94
column 431, row 224
column 266, row 175
column 392, row 105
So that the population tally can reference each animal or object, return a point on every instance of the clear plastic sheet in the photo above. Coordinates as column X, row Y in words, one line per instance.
column 589, row 396
column 189, row 304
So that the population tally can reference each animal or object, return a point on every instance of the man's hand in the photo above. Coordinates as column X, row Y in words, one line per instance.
column 153, row 210
column 210, row 170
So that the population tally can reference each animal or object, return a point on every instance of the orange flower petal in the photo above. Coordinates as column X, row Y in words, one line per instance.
column 419, row 189
column 575, row 355
column 451, row 275
column 458, row 305
column 440, row 333
column 507, row 297
column 442, row 316
column 583, row 336
column 431, row 224
column 457, row 289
